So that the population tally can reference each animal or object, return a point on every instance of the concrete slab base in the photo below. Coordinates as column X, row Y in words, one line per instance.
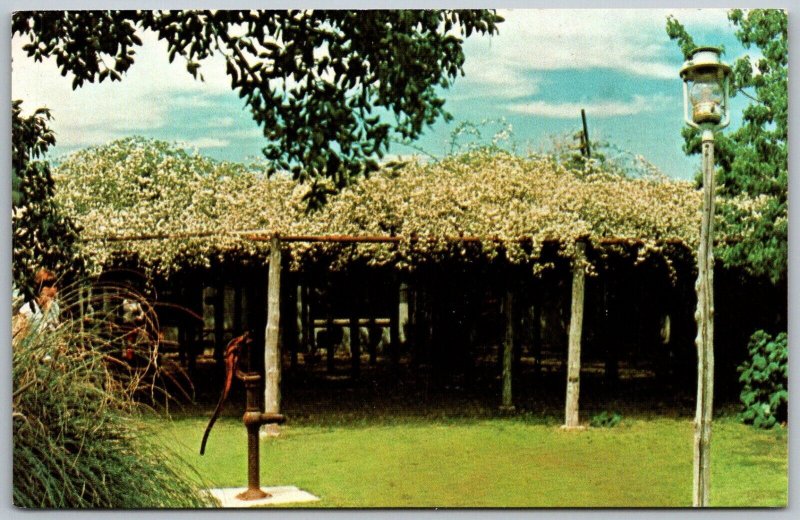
column 566, row 428
column 280, row 495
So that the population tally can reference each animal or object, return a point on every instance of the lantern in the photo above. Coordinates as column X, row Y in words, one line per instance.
column 705, row 87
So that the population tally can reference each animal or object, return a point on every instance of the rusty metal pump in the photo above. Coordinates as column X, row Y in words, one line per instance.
column 254, row 415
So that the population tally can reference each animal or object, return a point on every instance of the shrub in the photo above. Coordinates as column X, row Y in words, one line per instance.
column 79, row 440
column 605, row 420
column 764, row 376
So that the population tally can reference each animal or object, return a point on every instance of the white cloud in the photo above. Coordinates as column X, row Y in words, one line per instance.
column 599, row 109
column 507, row 66
column 95, row 113
column 629, row 40
column 498, row 82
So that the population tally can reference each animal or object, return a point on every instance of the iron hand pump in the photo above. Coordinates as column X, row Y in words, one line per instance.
column 253, row 417
column 705, row 87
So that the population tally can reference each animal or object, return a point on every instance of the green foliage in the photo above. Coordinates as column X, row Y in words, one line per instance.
column 605, row 420
column 42, row 235
column 764, row 377
column 753, row 160
column 79, row 441
column 315, row 81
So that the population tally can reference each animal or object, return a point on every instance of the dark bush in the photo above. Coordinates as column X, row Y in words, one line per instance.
column 764, row 376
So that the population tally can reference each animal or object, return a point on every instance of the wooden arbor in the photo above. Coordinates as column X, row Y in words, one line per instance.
column 272, row 354
column 272, row 324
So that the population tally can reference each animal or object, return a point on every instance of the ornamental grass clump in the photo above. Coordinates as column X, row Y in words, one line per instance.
column 79, row 440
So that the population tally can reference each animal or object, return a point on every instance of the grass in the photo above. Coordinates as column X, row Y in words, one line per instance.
column 79, row 441
column 495, row 462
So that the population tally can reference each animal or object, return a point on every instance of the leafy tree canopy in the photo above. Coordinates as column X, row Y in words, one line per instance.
column 317, row 82
column 752, row 161
column 42, row 235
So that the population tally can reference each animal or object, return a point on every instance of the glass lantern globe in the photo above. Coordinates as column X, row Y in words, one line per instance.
column 705, row 87
column 706, row 96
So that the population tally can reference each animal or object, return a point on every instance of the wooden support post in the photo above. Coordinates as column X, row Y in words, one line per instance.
column 402, row 312
column 536, row 329
column 610, row 339
column 508, row 349
column 238, row 323
column 330, row 346
column 704, row 315
column 298, row 331
column 308, row 324
column 375, row 334
column 219, row 321
column 272, row 355
column 394, row 326
column 289, row 327
column 355, row 336
column 575, row 329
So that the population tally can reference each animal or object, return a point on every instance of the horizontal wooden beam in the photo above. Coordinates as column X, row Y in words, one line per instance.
column 362, row 322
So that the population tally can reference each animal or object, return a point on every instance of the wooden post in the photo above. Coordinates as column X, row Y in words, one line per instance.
column 219, row 320
column 355, row 337
column 299, row 331
column 508, row 349
column 610, row 340
column 238, row 324
column 308, row 324
column 536, row 328
column 402, row 312
column 329, row 345
column 394, row 326
column 375, row 334
column 289, row 329
column 272, row 355
column 575, row 329
column 704, row 315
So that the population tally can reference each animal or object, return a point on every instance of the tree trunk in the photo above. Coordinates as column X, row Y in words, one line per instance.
column 575, row 329
column 272, row 355
column 705, row 332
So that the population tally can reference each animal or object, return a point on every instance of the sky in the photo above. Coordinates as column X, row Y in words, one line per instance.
column 531, row 80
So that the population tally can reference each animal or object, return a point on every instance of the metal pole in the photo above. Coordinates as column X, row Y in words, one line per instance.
column 704, row 316
column 586, row 134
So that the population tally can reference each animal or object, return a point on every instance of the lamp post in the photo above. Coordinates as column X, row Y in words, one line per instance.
column 705, row 88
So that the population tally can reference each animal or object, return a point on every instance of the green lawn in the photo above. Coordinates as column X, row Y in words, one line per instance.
column 496, row 462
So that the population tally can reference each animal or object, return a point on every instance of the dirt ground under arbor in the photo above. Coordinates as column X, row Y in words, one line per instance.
column 311, row 393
